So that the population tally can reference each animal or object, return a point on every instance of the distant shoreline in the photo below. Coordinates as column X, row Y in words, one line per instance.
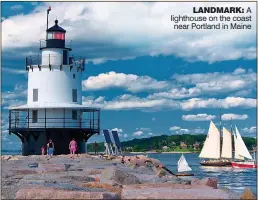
column 171, row 152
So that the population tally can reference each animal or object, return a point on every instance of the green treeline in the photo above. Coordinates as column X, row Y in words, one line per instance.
column 165, row 143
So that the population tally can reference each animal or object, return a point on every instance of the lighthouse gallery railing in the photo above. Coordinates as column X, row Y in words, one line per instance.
column 49, row 60
column 22, row 120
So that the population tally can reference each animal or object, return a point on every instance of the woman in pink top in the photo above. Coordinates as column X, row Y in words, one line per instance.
column 72, row 147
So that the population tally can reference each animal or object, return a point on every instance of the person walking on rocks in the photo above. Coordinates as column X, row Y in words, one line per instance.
column 50, row 148
column 72, row 147
column 96, row 147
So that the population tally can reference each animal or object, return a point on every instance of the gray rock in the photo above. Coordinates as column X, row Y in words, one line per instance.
column 79, row 178
column 113, row 175
column 47, row 193
column 33, row 165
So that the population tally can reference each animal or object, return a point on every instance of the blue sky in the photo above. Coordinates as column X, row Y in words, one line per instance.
column 147, row 78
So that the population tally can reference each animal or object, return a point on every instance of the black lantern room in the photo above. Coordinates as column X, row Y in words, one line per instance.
column 55, row 36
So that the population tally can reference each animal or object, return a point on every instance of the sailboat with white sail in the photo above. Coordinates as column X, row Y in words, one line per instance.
column 243, row 158
column 182, row 166
column 211, row 148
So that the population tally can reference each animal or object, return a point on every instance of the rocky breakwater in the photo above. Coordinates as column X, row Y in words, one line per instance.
column 97, row 177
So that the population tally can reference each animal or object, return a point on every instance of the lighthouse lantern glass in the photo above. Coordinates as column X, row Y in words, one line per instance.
column 58, row 36
column 50, row 36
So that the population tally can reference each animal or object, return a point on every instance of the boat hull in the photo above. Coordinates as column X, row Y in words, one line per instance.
column 184, row 174
column 250, row 165
column 216, row 163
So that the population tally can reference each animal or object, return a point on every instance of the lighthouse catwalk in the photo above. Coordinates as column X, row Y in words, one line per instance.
column 54, row 107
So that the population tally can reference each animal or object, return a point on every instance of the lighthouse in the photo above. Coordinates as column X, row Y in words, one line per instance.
column 54, row 108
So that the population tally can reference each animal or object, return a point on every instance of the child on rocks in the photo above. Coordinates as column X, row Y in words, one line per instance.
column 42, row 150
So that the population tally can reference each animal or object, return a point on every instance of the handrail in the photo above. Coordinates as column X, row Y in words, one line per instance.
column 51, row 122
column 43, row 43
column 76, row 61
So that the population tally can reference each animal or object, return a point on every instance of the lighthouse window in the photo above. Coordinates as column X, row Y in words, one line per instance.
column 34, row 116
column 50, row 36
column 35, row 95
column 74, row 114
column 73, row 76
column 74, row 95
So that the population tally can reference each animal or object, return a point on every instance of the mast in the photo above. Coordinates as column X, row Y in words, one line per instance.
column 47, row 18
column 220, row 127
column 231, row 128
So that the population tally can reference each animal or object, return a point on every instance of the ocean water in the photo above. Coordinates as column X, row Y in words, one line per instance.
column 11, row 152
column 234, row 179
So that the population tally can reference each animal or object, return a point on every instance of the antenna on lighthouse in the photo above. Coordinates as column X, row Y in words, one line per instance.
column 49, row 9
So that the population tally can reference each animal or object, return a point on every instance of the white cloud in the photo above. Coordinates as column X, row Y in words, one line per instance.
column 144, row 129
column 125, row 135
column 138, row 133
column 14, row 71
column 229, row 116
column 240, row 81
column 252, row 129
column 174, row 128
column 16, row 7
column 130, row 102
column 153, row 119
column 229, row 102
column 239, row 71
column 198, row 117
column 142, row 18
column 15, row 97
column 119, row 130
column 150, row 134
column 179, row 130
column 130, row 82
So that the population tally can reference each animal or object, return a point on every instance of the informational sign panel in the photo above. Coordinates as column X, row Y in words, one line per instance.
column 116, row 138
column 107, row 136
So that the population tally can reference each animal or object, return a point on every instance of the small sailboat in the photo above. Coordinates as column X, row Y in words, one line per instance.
column 243, row 158
column 183, row 167
column 211, row 148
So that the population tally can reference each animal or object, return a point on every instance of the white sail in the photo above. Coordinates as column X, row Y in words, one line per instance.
column 226, row 144
column 183, row 165
column 211, row 147
column 241, row 148
column 237, row 156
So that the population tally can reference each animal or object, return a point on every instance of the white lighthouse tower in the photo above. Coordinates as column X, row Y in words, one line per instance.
column 54, row 107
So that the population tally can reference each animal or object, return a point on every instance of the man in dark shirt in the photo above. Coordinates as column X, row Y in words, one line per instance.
column 50, row 148
column 96, row 147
